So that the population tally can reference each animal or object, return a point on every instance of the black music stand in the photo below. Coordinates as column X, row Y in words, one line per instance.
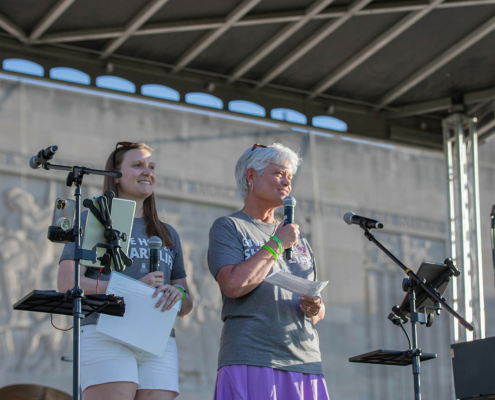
column 419, row 294
column 76, row 295
column 52, row 302
column 389, row 357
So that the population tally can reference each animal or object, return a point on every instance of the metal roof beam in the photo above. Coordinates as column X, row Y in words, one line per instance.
column 144, row 15
column 372, row 48
column 49, row 18
column 422, row 108
column 278, row 39
column 234, row 16
column 7, row 25
column 479, row 97
column 438, row 62
column 247, row 20
column 311, row 42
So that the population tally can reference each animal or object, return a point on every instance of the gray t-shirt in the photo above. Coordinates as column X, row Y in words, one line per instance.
column 265, row 327
column 171, row 261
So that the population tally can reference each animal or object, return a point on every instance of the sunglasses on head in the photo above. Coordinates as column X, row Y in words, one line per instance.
column 122, row 144
column 261, row 146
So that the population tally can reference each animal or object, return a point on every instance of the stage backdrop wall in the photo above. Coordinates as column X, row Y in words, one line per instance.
column 404, row 188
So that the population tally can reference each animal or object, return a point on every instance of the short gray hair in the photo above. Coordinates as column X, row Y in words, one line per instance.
column 259, row 158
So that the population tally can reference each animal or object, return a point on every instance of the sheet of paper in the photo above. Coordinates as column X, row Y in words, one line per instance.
column 143, row 325
column 295, row 284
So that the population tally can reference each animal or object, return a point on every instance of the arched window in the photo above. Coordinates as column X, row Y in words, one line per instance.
column 286, row 114
column 160, row 91
column 70, row 75
column 115, row 83
column 203, row 99
column 247, row 107
column 23, row 66
column 332, row 123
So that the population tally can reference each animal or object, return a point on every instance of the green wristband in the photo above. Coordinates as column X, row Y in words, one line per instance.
column 270, row 250
column 183, row 292
column 280, row 248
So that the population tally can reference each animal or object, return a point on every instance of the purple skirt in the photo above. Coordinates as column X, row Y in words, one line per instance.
column 246, row 382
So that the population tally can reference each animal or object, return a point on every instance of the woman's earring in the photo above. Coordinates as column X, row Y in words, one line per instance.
column 252, row 186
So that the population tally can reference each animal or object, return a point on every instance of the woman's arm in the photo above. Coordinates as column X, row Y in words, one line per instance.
column 241, row 279
column 187, row 303
column 65, row 279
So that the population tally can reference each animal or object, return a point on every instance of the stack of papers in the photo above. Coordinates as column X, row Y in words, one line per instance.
column 143, row 325
column 294, row 284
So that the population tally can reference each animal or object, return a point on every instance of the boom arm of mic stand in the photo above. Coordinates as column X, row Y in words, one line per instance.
column 434, row 296
column 82, row 170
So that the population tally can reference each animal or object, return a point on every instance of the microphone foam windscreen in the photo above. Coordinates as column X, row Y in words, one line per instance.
column 348, row 217
column 154, row 242
column 289, row 201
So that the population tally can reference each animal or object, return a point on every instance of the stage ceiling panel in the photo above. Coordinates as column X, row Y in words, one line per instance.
column 379, row 65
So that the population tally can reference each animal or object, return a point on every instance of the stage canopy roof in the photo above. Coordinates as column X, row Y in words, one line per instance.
column 390, row 69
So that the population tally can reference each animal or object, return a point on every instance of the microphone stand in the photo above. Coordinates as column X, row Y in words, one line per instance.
column 75, row 176
column 492, row 234
column 415, row 282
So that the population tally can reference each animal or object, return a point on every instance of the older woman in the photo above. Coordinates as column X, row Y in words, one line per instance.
column 269, row 347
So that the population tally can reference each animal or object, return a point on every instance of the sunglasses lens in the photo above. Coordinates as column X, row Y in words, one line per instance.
column 258, row 145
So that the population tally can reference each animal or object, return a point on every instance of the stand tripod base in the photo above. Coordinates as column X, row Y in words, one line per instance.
column 389, row 357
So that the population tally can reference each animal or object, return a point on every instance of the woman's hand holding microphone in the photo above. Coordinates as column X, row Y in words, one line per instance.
column 287, row 234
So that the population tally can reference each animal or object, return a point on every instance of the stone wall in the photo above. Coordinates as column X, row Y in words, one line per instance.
column 402, row 187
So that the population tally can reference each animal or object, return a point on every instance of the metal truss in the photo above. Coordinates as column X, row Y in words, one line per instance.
column 376, row 45
column 49, row 18
column 311, row 42
column 461, row 151
column 139, row 19
column 251, row 20
column 241, row 10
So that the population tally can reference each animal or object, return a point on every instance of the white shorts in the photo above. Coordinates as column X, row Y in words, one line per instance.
column 106, row 359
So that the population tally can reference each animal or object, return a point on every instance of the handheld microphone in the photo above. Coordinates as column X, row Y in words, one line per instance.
column 289, row 204
column 492, row 216
column 351, row 218
column 154, row 243
column 42, row 157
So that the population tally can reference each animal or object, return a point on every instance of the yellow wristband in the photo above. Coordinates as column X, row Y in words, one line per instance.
column 270, row 250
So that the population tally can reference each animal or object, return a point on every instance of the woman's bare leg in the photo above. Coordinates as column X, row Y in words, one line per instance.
column 111, row 391
column 147, row 394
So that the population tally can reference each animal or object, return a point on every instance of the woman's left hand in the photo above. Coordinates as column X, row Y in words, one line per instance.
column 310, row 305
column 171, row 295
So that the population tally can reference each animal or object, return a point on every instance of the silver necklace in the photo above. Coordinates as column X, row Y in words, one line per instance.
column 257, row 222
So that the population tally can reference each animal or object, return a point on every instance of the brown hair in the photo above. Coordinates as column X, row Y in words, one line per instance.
column 154, row 227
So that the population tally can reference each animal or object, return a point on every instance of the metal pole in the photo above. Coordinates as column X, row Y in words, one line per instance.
column 316, row 194
column 477, row 222
column 464, row 222
column 448, row 147
column 77, row 294
column 461, row 151
column 416, row 351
